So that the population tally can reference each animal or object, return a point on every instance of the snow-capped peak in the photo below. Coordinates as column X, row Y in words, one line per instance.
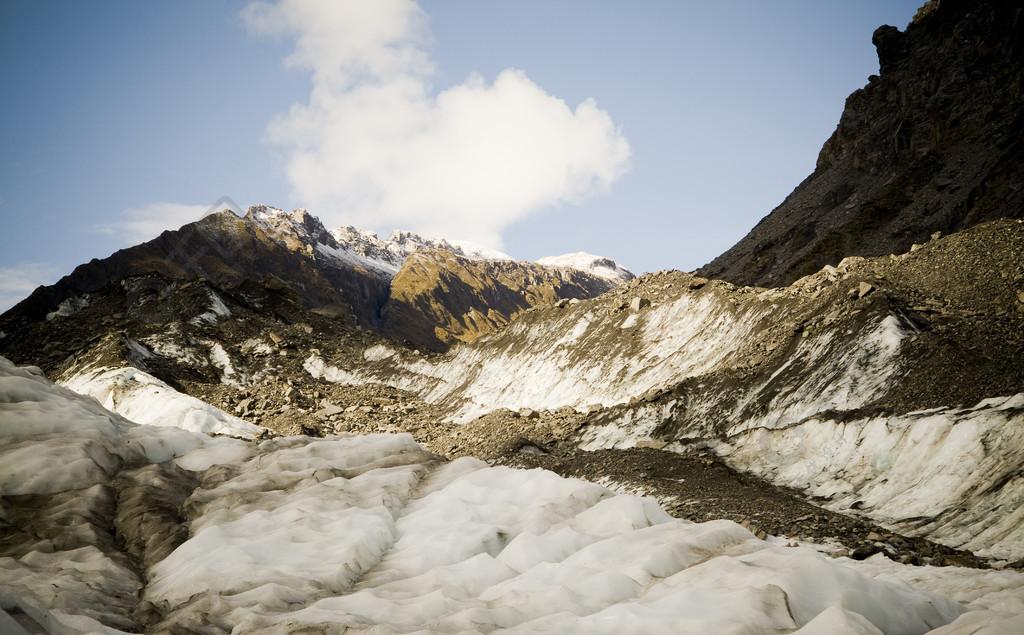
column 410, row 242
column 599, row 266
column 265, row 212
column 299, row 230
column 389, row 254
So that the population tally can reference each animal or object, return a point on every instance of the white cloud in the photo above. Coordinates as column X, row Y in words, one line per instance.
column 140, row 224
column 20, row 280
column 376, row 147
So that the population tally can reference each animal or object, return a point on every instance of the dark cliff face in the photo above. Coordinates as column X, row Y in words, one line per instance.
column 934, row 143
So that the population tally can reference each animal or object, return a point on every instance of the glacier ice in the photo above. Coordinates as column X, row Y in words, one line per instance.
column 816, row 419
column 142, row 398
column 375, row 534
column 952, row 474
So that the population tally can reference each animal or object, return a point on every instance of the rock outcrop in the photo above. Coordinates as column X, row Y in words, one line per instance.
column 935, row 142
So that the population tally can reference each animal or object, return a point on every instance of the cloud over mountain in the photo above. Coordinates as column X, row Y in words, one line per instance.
column 377, row 146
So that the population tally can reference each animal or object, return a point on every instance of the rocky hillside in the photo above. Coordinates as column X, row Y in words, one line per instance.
column 913, row 357
column 228, row 251
column 934, row 142
column 439, row 297
column 347, row 274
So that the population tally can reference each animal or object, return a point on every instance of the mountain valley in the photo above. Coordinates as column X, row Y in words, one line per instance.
column 256, row 424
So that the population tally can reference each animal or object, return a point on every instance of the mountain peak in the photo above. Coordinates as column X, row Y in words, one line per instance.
column 599, row 266
column 301, row 231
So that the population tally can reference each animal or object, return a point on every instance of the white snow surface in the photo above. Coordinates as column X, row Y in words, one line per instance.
column 144, row 399
column 54, row 439
column 599, row 266
column 378, row 352
column 217, row 309
column 374, row 534
column 66, row 448
column 317, row 369
column 351, row 247
column 222, row 361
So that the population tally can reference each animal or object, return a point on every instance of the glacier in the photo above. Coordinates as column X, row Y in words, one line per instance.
column 148, row 528
column 814, row 412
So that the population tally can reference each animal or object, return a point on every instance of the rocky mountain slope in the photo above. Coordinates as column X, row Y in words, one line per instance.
column 463, row 292
column 439, row 297
column 389, row 254
column 228, row 251
column 934, row 142
column 904, row 365
column 111, row 527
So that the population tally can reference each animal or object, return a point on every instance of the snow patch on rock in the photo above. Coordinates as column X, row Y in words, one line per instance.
column 222, row 362
column 217, row 309
column 319, row 369
column 378, row 352
column 70, row 306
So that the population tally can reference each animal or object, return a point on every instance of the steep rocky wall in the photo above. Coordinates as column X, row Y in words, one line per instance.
column 935, row 142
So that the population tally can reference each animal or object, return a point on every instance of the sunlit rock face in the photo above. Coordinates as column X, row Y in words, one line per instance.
column 439, row 298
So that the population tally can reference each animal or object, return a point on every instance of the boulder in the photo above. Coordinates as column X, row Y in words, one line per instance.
column 639, row 303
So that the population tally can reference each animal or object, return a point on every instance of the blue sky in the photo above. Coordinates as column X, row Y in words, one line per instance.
column 722, row 106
